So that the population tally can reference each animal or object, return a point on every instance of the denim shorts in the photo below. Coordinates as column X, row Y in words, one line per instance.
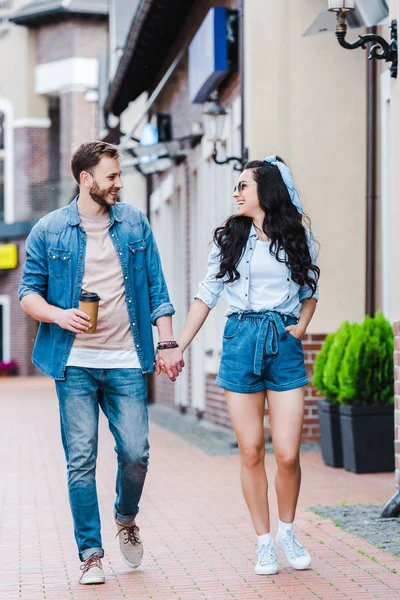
column 258, row 353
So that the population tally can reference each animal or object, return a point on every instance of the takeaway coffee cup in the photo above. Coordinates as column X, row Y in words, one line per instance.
column 89, row 304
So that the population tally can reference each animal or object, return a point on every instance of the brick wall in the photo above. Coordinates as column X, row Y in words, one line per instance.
column 31, row 170
column 312, row 344
column 76, row 37
column 396, row 328
column 163, row 390
column 78, row 118
column 78, row 123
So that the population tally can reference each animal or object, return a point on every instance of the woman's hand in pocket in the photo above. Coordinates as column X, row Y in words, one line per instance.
column 296, row 331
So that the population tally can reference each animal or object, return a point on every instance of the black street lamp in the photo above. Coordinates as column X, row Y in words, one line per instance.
column 214, row 122
column 381, row 50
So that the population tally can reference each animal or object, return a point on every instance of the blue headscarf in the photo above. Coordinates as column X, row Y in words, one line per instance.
column 287, row 179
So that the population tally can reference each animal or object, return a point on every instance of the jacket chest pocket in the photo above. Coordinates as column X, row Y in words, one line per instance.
column 59, row 263
column 137, row 252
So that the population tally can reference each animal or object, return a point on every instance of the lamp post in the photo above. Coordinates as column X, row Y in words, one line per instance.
column 381, row 50
column 214, row 121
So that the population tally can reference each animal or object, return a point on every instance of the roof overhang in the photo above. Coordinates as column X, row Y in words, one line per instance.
column 39, row 12
column 154, row 30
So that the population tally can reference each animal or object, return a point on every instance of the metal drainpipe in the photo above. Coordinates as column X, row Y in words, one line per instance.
column 392, row 507
column 244, row 152
column 371, row 185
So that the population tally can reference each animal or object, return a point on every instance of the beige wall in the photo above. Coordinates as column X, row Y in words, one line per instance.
column 306, row 101
column 17, row 58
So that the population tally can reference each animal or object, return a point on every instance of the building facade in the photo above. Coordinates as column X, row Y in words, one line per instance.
column 49, row 79
column 301, row 97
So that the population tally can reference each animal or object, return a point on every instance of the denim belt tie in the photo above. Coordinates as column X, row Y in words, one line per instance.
column 271, row 329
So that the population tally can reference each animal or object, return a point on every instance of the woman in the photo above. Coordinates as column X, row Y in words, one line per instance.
column 264, row 258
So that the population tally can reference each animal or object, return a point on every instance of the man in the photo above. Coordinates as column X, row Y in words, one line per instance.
column 100, row 246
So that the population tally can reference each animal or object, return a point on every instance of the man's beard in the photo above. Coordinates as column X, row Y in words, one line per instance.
column 100, row 196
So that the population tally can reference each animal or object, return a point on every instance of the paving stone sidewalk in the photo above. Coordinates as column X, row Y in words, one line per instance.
column 199, row 541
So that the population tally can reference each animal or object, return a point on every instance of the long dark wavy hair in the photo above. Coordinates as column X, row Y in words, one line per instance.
column 283, row 224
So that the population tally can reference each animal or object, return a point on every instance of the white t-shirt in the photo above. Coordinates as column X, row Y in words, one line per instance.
column 268, row 279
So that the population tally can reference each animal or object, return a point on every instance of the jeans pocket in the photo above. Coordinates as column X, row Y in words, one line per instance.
column 231, row 328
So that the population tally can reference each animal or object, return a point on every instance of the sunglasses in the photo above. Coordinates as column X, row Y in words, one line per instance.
column 241, row 186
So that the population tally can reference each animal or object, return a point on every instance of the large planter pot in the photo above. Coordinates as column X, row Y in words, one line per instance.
column 367, row 438
column 331, row 439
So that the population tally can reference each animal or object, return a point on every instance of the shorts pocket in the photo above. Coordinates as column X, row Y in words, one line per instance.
column 231, row 328
column 137, row 250
column 59, row 263
column 298, row 340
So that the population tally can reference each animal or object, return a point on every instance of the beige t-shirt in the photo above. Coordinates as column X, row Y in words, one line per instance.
column 103, row 275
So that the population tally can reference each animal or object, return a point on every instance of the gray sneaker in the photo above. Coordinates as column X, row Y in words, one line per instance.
column 297, row 556
column 130, row 544
column 92, row 571
column 267, row 563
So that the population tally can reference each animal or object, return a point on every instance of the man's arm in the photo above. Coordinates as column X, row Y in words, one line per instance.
column 72, row 319
column 33, row 288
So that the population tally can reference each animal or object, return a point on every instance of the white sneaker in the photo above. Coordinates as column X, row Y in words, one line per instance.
column 267, row 563
column 130, row 544
column 296, row 554
column 92, row 571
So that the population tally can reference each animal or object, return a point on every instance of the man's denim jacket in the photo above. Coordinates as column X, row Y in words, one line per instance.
column 54, row 269
column 237, row 293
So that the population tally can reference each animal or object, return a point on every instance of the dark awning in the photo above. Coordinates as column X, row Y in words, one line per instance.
column 38, row 12
column 154, row 30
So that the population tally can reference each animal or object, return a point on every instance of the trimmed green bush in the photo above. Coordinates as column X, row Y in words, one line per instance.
column 320, row 363
column 350, row 368
column 375, row 376
column 330, row 377
column 355, row 365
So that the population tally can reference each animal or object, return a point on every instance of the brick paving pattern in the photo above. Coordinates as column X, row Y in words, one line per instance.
column 199, row 542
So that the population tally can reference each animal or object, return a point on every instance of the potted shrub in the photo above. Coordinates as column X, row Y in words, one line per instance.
column 326, row 382
column 366, row 396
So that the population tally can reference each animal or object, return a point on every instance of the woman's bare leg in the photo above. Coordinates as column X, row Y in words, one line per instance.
column 286, row 413
column 247, row 415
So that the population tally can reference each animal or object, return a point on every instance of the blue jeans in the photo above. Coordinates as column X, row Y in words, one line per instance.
column 122, row 396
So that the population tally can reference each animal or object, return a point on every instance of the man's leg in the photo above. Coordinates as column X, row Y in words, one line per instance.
column 79, row 412
column 124, row 402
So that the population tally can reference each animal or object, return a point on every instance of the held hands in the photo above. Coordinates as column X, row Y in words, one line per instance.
column 170, row 362
column 72, row 319
column 296, row 331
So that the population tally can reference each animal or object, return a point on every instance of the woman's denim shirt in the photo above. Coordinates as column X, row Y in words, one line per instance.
column 237, row 293
column 54, row 269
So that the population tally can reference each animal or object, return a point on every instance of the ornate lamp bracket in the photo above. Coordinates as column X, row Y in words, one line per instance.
column 381, row 50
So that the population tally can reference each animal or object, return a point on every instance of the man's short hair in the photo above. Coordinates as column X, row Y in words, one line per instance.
column 88, row 155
